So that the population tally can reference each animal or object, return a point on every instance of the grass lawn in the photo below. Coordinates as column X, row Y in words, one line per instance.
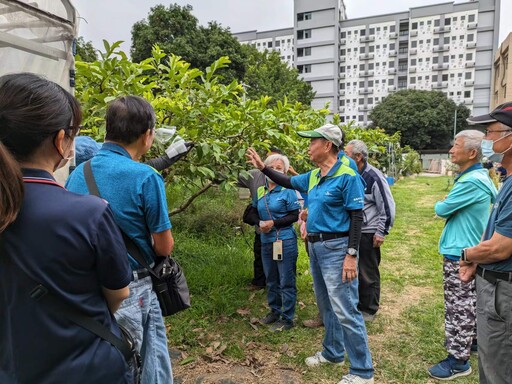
column 405, row 339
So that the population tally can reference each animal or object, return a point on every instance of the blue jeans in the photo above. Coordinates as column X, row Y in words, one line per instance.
column 141, row 315
column 281, row 278
column 337, row 302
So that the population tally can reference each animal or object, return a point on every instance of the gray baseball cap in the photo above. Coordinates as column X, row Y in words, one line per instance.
column 330, row 132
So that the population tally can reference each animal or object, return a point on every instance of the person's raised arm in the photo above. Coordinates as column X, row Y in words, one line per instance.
column 277, row 177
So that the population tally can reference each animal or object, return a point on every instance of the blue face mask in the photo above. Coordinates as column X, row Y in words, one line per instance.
column 488, row 150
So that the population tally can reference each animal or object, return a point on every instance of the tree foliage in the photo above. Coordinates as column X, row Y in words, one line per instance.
column 266, row 74
column 178, row 32
column 425, row 119
column 85, row 51
column 212, row 114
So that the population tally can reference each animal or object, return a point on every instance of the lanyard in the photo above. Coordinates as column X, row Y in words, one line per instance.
column 270, row 213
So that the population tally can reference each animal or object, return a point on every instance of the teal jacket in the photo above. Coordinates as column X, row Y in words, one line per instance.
column 466, row 210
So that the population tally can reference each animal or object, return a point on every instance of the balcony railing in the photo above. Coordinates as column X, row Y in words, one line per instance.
column 413, row 51
column 392, row 71
column 392, row 53
column 366, row 39
column 393, row 35
column 469, row 83
column 444, row 29
column 366, row 91
column 440, row 67
column 468, row 101
column 470, row 64
column 441, row 48
column 413, row 33
column 366, row 74
column 471, row 44
column 472, row 25
column 367, row 56
column 412, row 69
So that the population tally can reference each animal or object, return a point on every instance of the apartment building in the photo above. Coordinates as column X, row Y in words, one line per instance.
column 354, row 63
column 502, row 76
column 279, row 40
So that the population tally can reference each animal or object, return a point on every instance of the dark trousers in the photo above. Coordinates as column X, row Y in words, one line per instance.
column 259, row 274
column 369, row 275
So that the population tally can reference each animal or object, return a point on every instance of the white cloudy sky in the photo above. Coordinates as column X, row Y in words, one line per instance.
column 112, row 19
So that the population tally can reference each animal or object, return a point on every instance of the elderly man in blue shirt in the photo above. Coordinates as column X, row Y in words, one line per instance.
column 136, row 194
column 335, row 201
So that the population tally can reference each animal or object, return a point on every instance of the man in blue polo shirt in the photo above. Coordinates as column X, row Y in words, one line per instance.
column 335, row 204
column 491, row 260
column 136, row 194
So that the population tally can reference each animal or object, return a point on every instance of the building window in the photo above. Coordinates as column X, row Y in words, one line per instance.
column 361, row 118
column 467, row 94
column 372, row 48
column 370, row 66
column 446, row 40
column 278, row 43
column 370, row 83
column 437, row 22
column 342, row 103
column 436, row 41
column 413, row 62
column 471, row 37
column 304, row 52
column 343, row 35
column 372, row 31
column 391, row 82
column 414, row 26
column 434, row 78
column 270, row 44
column 413, row 80
column 435, row 60
column 304, row 34
column 444, row 77
column 363, row 32
column 362, row 50
column 307, row 68
column 471, row 18
column 342, row 69
column 469, row 56
column 447, row 21
column 342, row 85
column 304, row 16
column 414, row 44
column 467, row 76
column 391, row 28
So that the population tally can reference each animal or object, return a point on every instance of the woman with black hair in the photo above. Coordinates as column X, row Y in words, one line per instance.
column 53, row 243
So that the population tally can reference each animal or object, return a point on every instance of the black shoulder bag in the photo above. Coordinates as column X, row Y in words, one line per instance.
column 169, row 281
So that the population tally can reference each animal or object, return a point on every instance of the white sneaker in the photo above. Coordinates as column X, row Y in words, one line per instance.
column 317, row 359
column 353, row 379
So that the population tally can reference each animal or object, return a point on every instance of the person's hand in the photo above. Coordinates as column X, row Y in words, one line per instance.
column 292, row 171
column 377, row 241
column 254, row 159
column 266, row 225
column 349, row 268
column 303, row 215
column 467, row 271
column 188, row 146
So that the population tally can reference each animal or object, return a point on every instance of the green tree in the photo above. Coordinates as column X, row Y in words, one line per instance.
column 212, row 114
column 85, row 51
column 177, row 31
column 267, row 74
column 425, row 119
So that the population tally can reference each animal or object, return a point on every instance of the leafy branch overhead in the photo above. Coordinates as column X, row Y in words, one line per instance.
column 214, row 115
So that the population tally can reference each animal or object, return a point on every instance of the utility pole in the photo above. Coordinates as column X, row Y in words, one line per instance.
column 455, row 125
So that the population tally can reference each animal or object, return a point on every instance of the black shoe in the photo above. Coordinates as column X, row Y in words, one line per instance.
column 270, row 318
column 281, row 325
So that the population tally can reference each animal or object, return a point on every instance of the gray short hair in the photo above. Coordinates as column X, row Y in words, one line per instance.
column 269, row 160
column 359, row 147
column 472, row 140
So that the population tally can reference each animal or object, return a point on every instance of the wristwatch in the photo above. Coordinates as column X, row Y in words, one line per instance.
column 352, row 251
column 464, row 256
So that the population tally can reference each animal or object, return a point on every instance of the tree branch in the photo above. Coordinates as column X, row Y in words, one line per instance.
column 185, row 205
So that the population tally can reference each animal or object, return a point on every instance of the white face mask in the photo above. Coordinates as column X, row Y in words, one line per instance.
column 488, row 150
column 70, row 155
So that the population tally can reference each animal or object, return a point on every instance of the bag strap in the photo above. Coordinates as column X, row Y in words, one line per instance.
column 130, row 245
column 59, row 306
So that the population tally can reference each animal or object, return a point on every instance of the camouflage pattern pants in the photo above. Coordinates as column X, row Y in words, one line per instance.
column 460, row 311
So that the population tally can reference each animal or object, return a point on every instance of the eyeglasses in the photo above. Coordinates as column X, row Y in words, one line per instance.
column 487, row 131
